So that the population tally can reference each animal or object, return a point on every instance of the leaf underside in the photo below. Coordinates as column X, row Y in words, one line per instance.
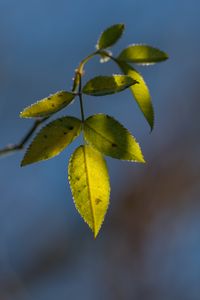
column 48, row 106
column 140, row 92
column 109, row 137
column 142, row 54
column 105, row 85
column 89, row 182
column 52, row 139
column 110, row 36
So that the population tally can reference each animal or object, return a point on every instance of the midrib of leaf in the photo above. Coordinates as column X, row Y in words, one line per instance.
column 110, row 141
column 105, row 138
column 89, row 192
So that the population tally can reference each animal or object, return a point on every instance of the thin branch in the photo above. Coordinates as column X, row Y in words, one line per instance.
column 79, row 71
column 80, row 98
column 11, row 148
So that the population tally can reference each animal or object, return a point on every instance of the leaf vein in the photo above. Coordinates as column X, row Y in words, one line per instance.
column 89, row 192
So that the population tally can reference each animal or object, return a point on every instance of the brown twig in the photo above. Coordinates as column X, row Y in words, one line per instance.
column 11, row 148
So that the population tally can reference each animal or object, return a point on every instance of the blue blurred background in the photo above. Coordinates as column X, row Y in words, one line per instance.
column 149, row 245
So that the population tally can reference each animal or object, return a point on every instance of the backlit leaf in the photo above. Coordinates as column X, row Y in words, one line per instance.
column 105, row 85
column 140, row 92
column 89, row 182
column 142, row 54
column 48, row 106
column 110, row 36
column 109, row 137
column 52, row 139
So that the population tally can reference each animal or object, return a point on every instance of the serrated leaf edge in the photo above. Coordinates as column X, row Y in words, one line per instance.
column 43, row 99
column 27, row 150
column 69, row 179
column 92, row 144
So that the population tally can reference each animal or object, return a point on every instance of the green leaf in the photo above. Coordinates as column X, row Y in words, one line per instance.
column 110, row 36
column 105, row 85
column 140, row 92
column 142, row 54
column 109, row 137
column 48, row 106
column 89, row 182
column 52, row 139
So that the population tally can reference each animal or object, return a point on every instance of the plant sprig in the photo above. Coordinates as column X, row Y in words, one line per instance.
column 102, row 134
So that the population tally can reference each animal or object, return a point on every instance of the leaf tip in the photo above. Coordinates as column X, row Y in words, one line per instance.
column 122, row 25
column 23, row 163
column 166, row 56
column 22, row 114
column 150, row 121
column 95, row 233
column 151, row 126
column 140, row 156
column 110, row 36
column 135, row 82
column 143, row 160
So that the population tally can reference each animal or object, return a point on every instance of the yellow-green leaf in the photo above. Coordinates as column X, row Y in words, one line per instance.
column 140, row 92
column 109, row 137
column 110, row 36
column 105, row 85
column 142, row 54
column 48, row 106
column 90, row 186
column 52, row 139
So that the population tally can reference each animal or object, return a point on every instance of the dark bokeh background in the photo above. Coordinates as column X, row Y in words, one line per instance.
column 149, row 245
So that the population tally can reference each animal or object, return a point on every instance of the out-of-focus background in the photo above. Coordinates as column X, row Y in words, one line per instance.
column 149, row 245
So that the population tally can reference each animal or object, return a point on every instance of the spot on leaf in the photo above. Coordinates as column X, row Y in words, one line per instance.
column 50, row 141
column 97, row 201
column 48, row 106
column 108, row 136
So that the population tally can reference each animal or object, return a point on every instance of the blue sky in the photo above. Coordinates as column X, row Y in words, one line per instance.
column 41, row 43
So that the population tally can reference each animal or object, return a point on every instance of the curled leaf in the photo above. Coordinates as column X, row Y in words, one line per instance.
column 109, row 137
column 105, row 85
column 90, row 186
column 52, row 139
column 48, row 106
column 110, row 36
column 140, row 92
